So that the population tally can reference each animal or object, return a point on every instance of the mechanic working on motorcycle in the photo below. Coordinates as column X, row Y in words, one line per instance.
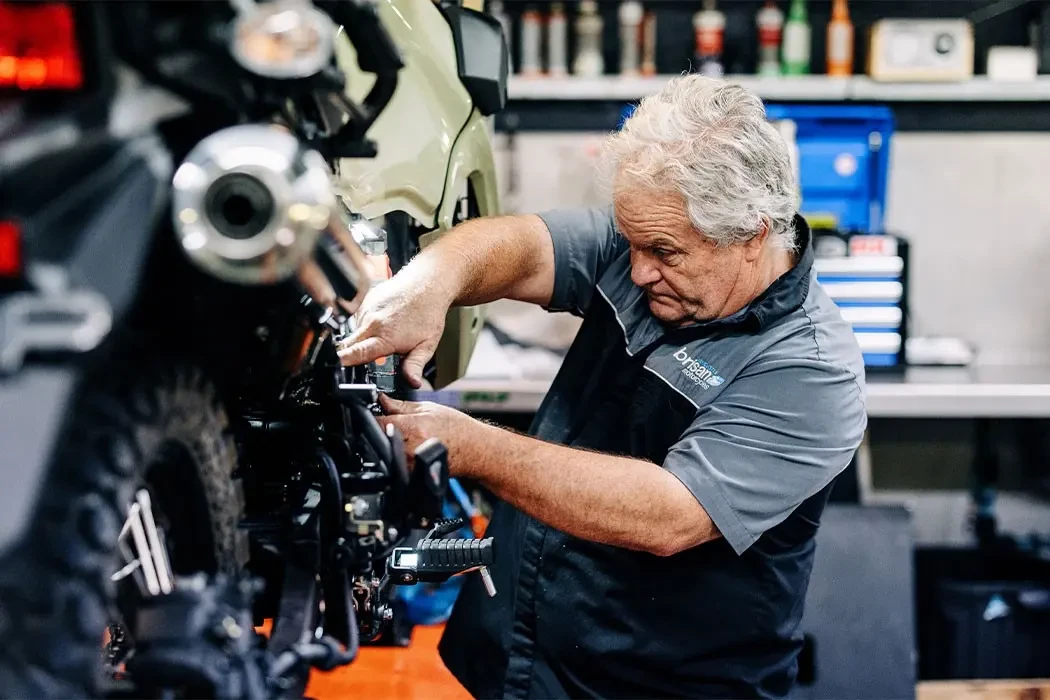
column 656, row 533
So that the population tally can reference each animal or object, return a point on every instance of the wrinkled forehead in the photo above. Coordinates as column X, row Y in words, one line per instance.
column 644, row 214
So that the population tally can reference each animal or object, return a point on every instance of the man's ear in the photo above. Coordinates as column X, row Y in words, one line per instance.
column 753, row 248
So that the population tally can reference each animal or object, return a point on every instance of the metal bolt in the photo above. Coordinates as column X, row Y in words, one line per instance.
column 232, row 629
column 358, row 506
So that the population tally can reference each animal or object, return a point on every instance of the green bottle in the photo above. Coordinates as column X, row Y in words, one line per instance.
column 795, row 51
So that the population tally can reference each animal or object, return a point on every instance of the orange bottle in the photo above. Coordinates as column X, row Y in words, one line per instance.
column 840, row 41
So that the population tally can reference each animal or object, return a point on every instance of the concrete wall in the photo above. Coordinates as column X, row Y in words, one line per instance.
column 975, row 206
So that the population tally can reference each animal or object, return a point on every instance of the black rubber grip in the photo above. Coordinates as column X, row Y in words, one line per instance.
column 453, row 556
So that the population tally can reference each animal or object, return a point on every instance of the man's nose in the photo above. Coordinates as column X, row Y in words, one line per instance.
column 643, row 273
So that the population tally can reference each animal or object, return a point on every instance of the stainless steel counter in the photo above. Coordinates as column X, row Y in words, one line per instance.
column 919, row 392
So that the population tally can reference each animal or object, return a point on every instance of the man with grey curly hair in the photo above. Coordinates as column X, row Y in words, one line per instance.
column 655, row 532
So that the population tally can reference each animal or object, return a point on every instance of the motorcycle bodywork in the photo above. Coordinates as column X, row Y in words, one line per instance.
column 327, row 494
column 428, row 165
column 85, row 241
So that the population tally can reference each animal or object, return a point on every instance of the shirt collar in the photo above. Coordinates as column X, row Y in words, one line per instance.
column 641, row 329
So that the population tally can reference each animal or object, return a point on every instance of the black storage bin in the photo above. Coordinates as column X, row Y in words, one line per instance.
column 992, row 630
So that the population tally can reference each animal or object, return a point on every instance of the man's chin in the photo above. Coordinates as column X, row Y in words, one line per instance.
column 664, row 311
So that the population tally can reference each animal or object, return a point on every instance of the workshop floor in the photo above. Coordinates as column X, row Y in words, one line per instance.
column 412, row 673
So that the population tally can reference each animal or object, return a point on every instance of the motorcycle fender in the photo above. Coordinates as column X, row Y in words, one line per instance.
column 471, row 165
column 32, row 407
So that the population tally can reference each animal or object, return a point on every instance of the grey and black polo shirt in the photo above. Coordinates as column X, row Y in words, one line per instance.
column 756, row 414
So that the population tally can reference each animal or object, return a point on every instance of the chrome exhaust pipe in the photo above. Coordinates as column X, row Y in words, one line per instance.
column 253, row 206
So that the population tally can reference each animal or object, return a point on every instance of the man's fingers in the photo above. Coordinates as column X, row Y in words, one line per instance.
column 358, row 353
column 391, row 407
column 413, row 364
column 395, row 407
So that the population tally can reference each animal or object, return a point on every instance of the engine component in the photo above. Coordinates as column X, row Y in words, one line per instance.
column 283, row 40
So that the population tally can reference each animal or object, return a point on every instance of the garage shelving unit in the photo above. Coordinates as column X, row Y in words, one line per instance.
column 979, row 104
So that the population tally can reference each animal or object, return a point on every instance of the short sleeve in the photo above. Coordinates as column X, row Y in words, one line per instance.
column 776, row 435
column 585, row 242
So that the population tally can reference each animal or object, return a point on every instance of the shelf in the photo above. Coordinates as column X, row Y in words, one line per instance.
column 810, row 88
column 980, row 104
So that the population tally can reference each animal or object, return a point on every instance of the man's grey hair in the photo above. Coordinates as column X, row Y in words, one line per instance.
column 711, row 142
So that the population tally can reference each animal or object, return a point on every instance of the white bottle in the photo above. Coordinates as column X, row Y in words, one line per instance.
column 630, row 37
column 557, row 41
column 531, row 42
column 589, row 62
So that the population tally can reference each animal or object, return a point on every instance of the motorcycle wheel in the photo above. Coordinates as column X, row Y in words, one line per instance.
column 158, row 425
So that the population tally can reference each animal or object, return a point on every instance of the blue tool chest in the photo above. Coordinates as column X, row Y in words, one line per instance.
column 843, row 164
column 844, row 159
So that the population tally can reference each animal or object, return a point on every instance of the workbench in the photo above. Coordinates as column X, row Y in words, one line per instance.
column 917, row 392
column 984, row 395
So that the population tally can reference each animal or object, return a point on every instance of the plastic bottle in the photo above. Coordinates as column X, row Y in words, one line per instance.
column 649, row 43
column 557, row 41
column 497, row 11
column 709, row 26
column 631, row 14
column 589, row 62
column 770, row 21
column 797, row 40
column 840, row 41
column 531, row 42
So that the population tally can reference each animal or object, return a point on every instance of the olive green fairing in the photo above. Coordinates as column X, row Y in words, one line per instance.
column 471, row 164
column 432, row 146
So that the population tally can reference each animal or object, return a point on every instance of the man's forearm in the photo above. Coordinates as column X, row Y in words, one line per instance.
column 479, row 261
column 598, row 497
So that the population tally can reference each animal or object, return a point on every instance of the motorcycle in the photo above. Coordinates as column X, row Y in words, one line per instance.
column 186, row 460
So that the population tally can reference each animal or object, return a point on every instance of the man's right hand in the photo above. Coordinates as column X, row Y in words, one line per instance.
column 397, row 317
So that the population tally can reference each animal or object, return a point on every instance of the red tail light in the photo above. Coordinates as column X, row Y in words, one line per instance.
column 10, row 249
column 38, row 47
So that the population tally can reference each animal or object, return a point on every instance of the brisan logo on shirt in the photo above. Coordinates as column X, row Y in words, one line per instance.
column 698, row 371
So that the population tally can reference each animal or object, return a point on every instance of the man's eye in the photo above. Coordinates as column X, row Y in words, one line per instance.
column 663, row 252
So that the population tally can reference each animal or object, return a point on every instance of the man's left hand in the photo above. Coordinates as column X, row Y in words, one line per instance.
column 418, row 421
